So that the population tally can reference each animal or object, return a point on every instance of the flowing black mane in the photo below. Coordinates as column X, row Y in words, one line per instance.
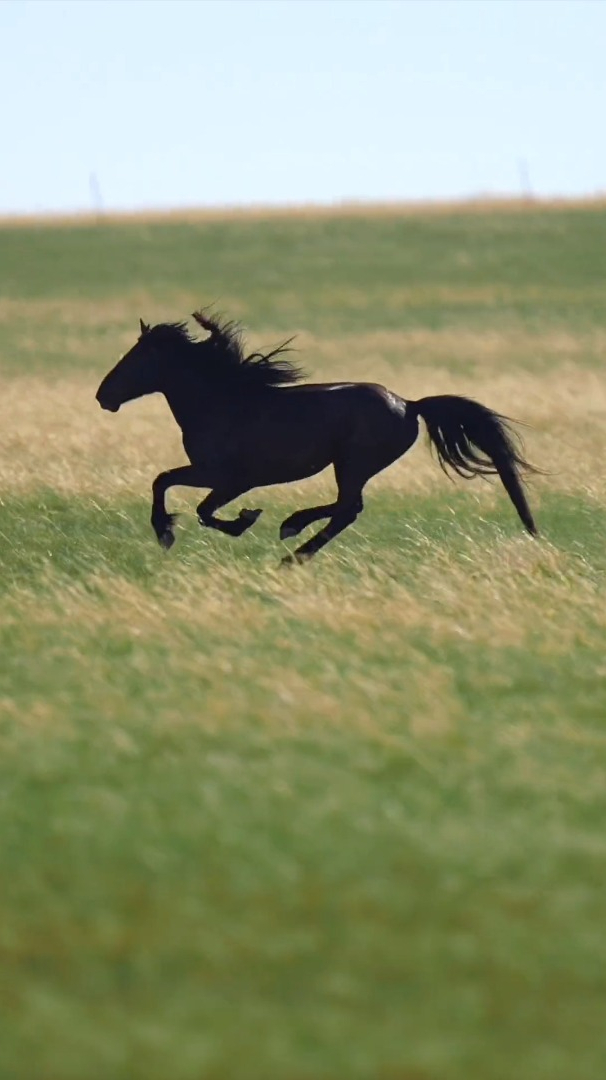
column 223, row 356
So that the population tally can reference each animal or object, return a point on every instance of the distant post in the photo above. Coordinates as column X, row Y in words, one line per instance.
column 95, row 194
column 524, row 174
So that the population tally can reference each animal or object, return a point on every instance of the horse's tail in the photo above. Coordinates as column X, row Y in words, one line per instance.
column 472, row 440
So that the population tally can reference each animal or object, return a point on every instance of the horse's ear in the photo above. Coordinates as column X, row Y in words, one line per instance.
column 145, row 327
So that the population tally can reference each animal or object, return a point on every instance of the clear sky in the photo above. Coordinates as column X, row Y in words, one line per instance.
column 173, row 103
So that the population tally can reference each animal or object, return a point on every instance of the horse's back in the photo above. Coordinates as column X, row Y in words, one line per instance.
column 366, row 400
column 365, row 415
column 350, row 394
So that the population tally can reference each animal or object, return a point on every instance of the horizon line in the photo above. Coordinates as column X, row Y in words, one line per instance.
column 341, row 207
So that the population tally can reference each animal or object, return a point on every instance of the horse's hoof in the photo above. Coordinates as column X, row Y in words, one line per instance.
column 287, row 532
column 294, row 560
column 163, row 524
column 250, row 516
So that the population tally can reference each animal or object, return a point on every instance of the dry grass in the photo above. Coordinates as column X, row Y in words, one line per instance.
column 209, row 619
column 347, row 208
column 52, row 433
column 225, row 611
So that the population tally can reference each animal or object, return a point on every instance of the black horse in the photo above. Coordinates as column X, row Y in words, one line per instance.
column 247, row 421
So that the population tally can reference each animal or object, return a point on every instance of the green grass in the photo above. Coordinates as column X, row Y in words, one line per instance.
column 344, row 821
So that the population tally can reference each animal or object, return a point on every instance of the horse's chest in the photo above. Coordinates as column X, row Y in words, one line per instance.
column 217, row 450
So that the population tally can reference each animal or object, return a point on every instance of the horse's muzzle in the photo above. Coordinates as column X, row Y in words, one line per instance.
column 106, row 403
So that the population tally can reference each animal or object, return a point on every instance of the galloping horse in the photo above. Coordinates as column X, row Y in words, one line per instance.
column 250, row 421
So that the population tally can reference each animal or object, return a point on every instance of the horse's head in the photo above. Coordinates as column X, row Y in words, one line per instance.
column 139, row 372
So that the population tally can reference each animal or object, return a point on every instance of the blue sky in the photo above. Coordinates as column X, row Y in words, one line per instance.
column 175, row 103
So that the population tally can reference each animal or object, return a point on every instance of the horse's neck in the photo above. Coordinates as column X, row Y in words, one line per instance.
column 194, row 402
column 185, row 400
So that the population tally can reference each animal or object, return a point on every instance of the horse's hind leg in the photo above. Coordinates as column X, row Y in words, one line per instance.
column 345, row 511
column 352, row 472
column 344, row 516
column 298, row 521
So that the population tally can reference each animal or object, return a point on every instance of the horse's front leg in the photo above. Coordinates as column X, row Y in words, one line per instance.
column 219, row 497
column 162, row 521
column 194, row 476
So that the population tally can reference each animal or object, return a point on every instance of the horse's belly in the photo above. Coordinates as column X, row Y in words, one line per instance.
column 288, row 468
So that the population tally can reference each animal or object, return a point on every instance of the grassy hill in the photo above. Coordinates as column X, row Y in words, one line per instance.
column 344, row 822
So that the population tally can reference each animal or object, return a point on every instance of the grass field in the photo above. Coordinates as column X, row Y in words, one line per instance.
column 344, row 822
